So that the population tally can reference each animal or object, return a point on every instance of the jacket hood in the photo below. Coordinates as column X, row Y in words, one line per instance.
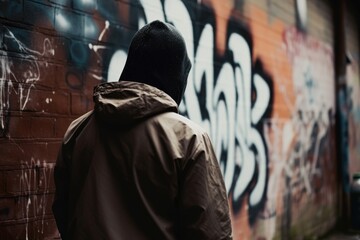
column 157, row 56
column 125, row 103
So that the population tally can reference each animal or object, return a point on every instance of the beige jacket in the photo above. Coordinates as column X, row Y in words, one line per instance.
column 135, row 169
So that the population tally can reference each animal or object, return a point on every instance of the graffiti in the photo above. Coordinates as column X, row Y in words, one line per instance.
column 301, row 14
column 299, row 147
column 228, row 91
column 35, row 175
column 239, row 145
column 228, row 95
column 343, row 99
column 273, row 153
column 353, row 91
column 221, row 100
column 18, row 74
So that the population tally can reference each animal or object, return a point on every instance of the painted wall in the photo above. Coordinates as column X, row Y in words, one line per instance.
column 353, row 88
column 262, row 85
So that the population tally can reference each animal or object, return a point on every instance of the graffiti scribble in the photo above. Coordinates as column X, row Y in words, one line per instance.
column 19, row 75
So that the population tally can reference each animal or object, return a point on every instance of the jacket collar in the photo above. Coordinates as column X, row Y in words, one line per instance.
column 127, row 103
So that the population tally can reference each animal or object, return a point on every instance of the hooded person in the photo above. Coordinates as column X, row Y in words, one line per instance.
column 133, row 168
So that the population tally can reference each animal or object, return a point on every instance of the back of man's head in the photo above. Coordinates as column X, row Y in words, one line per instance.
column 157, row 56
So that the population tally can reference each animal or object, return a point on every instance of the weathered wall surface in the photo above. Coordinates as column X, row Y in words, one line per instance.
column 353, row 87
column 262, row 84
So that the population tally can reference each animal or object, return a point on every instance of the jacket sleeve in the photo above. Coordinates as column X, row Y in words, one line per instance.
column 203, row 205
column 61, row 179
column 62, row 173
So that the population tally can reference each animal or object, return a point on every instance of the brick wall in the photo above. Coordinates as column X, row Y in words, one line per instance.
column 264, row 68
column 37, row 105
column 353, row 86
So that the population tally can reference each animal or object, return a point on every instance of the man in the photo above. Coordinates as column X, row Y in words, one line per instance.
column 133, row 168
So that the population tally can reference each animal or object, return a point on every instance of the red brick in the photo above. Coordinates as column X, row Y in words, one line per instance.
column 48, row 75
column 90, row 105
column 19, row 127
column 74, row 22
column 61, row 49
column 24, row 153
column 30, row 229
column 2, row 184
column 61, row 125
column 60, row 77
column 51, row 197
column 52, row 150
column 66, row 3
column 21, row 181
column 12, row 181
column 14, row 231
column 93, row 27
column 38, row 154
column 11, row 9
column 78, row 104
column 39, row 205
column 44, row 14
column 42, row 127
column 52, row 101
column 17, row 96
column 32, row 152
column 10, row 153
column 27, row 207
column 45, row 229
column 92, row 79
column 46, row 179
column 60, row 103
column 7, row 209
column 91, row 82
column 74, row 78
column 95, row 60
column 8, row 232
column 22, row 207
column 85, row 6
column 32, row 44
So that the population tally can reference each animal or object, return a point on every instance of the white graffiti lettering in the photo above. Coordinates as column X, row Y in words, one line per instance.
column 231, row 118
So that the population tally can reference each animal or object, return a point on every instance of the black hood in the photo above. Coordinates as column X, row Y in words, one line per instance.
column 157, row 56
